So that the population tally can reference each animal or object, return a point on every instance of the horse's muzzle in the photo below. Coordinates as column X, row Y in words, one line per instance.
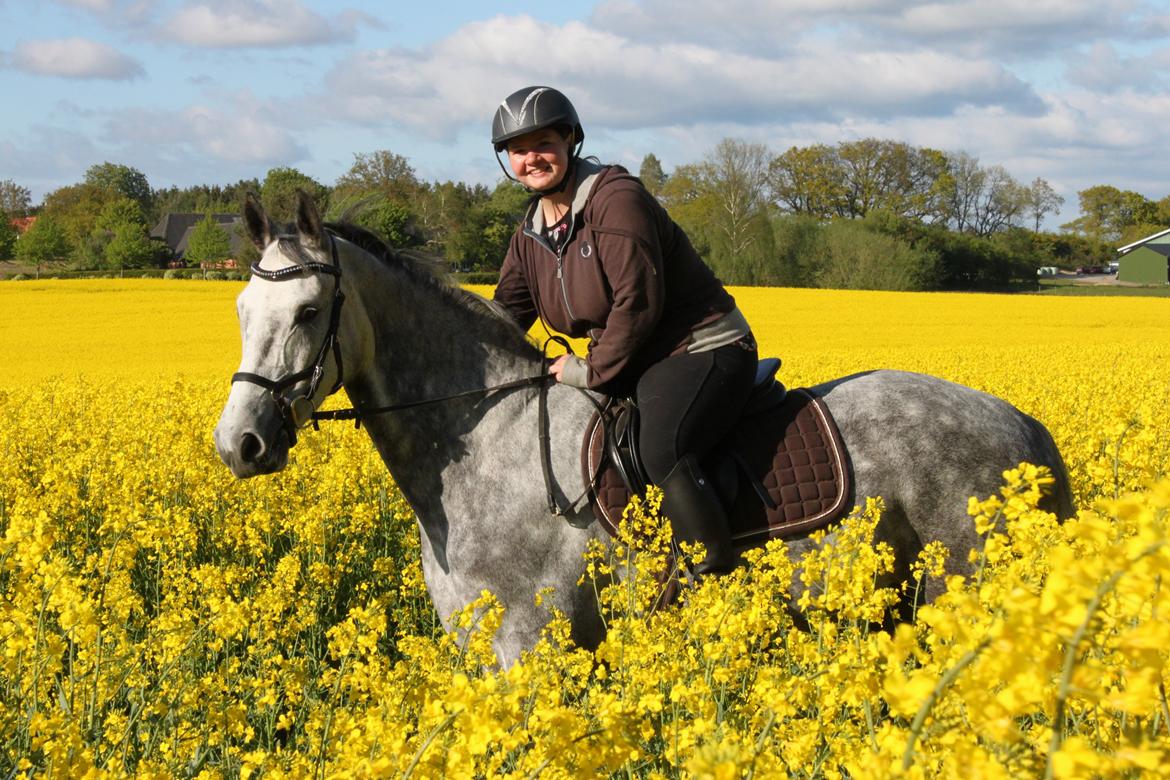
column 252, row 444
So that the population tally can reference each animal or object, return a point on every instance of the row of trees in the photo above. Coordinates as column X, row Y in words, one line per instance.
column 1119, row 216
column 103, row 221
column 864, row 213
column 870, row 213
column 856, row 178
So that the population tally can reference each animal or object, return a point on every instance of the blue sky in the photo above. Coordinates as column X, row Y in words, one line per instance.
column 211, row 91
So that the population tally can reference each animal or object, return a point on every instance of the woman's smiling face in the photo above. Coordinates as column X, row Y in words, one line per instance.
column 539, row 159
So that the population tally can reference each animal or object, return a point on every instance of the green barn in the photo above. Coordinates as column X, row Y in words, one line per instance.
column 1146, row 261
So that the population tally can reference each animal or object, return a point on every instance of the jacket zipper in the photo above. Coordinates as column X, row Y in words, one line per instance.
column 559, row 255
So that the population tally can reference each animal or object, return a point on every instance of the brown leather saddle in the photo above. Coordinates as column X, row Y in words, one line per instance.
column 782, row 471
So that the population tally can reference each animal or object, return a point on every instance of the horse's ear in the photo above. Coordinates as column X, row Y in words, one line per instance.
column 260, row 227
column 309, row 227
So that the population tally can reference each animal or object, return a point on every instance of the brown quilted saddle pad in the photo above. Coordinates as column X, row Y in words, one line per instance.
column 790, row 472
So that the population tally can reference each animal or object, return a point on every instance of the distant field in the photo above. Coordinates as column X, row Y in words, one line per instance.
column 1078, row 287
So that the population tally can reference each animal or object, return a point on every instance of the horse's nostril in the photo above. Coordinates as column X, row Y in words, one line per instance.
column 251, row 448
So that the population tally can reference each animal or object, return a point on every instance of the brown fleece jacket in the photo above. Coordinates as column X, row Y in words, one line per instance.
column 627, row 277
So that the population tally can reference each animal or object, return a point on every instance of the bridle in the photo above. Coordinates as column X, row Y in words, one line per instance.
column 298, row 411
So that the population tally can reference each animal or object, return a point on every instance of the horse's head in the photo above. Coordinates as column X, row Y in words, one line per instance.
column 290, row 315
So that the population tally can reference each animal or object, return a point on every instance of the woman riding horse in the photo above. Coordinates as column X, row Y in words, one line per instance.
column 597, row 255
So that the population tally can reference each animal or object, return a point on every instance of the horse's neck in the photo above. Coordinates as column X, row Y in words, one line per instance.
column 426, row 345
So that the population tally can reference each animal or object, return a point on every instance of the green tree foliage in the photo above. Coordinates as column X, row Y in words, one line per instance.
column 129, row 247
column 858, row 177
column 279, row 193
column 42, row 243
column 795, row 248
column 15, row 200
column 1107, row 212
column 246, row 251
column 821, row 214
column 808, row 180
column 480, row 241
column 119, row 212
column 75, row 208
column 381, row 192
column 855, row 255
column 380, row 171
column 122, row 179
column 441, row 209
column 209, row 243
column 1002, row 204
column 692, row 205
column 118, row 239
column 723, row 206
column 1069, row 250
column 652, row 175
column 8, row 236
column 202, row 198
column 390, row 220
column 965, row 261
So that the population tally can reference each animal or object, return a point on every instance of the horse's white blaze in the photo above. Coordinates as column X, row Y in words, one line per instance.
column 249, row 436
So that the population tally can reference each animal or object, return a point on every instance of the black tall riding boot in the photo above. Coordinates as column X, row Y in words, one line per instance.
column 697, row 515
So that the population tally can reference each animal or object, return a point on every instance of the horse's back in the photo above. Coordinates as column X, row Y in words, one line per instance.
column 925, row 445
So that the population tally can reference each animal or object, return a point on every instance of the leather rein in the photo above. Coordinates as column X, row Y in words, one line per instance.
column 298, row 411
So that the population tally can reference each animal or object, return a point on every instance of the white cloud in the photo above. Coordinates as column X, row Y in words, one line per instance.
column 77, row 58
column 238, row 129
column 97, row 6
column 47, row 158
column 1075, row 91
column 115, row 12
column 221, row 24
column 1009, row 28
column 1102, row 67
column 622, row 82
column 743, row 25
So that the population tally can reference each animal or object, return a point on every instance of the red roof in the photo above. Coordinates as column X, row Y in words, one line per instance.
column 22, row 224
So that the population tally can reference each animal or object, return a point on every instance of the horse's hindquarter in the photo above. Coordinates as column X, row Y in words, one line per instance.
column 924, row 445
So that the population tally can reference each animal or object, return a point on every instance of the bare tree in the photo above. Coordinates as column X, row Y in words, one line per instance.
column 737, row 174
column 1001, row 202
column 1042, row 200
column 15, row 200
column 969, row 180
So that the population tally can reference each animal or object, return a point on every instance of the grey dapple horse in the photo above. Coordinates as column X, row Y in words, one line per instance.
column 470, row 465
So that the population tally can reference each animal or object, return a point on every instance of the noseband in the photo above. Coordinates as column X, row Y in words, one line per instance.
column 297, row 411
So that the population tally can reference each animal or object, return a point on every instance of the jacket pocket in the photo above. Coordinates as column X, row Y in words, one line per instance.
column 585, row 281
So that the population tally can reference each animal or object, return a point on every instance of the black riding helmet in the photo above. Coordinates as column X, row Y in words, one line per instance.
column 535, row 108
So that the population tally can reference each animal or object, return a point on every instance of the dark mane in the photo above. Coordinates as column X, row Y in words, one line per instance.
column 426, row 269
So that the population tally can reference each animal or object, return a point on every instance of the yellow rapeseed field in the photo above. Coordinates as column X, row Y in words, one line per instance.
column 159, row 618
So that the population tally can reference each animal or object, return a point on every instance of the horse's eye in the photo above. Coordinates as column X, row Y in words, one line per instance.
column 306, row 315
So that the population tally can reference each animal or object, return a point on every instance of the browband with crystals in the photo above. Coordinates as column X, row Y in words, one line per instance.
column 294, row 270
